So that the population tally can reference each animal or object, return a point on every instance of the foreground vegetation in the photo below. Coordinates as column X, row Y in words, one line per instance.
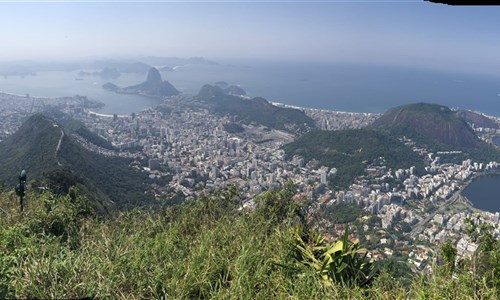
column 202, row 249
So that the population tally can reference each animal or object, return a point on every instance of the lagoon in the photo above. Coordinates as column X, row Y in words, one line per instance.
column 496, row 140
column 484, row 193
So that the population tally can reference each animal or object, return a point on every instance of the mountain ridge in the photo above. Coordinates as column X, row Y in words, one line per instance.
column 254, row 110
column 52, row 157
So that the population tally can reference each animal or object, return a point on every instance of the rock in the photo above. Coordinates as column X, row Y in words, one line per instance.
column 154, row 75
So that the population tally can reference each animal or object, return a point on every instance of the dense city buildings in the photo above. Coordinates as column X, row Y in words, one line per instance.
column 194, row 149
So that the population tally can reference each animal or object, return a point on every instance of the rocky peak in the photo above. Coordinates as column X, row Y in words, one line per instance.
column 154, row 75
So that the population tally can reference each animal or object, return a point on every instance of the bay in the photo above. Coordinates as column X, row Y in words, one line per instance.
column 341, row 87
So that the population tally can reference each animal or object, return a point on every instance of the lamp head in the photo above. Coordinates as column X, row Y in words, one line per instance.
column 22, row 177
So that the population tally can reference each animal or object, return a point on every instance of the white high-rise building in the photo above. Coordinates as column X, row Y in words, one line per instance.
column 323, row 176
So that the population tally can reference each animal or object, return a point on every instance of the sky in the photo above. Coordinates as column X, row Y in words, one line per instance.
column 401, row 33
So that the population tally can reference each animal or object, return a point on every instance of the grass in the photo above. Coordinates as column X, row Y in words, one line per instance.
column 202, row 249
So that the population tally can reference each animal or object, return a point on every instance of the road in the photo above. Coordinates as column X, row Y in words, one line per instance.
column 454, row 198
column 59, row 143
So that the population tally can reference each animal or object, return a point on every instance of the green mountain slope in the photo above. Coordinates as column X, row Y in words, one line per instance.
column 477, row 119
column 350, row 151
column 75, row 126
column 52, row 157
column 255, row 110
column 431, row 124
column 438, row 128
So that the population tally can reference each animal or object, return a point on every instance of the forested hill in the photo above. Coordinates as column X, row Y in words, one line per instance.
column 437, row 128
column 54, row 159
column 351, row 151
column 254, row 110
column 431, row 124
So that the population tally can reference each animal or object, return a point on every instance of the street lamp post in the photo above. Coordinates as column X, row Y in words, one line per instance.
column 20, row 188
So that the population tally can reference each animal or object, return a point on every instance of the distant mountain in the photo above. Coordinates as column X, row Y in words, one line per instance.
column 255, row 110
column 166, row 69
column 351, row 151
column 431, row 124
column 235, row 90
column 438, row 128
column 106, row 72
column 109, row 73
column 52, row 157
column 111, row 87
column 230, row 89
column 122, row 66
column 176, row 61
column 154, row 86
column 154, row 76
column 476, row 119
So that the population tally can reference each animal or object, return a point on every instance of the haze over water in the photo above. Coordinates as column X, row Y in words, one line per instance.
column 342, row 87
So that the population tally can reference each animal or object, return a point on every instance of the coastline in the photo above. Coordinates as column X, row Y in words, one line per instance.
column 30, row 96
column 280, row 104
column 94, row 103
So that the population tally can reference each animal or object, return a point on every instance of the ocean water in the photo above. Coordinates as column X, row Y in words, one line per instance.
column 342, row 87
column 483, row 193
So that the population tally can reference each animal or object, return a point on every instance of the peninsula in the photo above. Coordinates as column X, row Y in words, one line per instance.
column 154, row 86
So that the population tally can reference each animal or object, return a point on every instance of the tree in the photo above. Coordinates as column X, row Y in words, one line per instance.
column 449, row 254
column 405, row 227
column 485, row 262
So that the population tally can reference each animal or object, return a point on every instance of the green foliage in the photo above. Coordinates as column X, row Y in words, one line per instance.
column 233, row 128
column 76, row 126
column 439, row 129
column 405, row 227
column 62, row 216
column 33, row 147
column 111, row 176
column 396, row 270
column 341, row 213
column 207, row 248
column 485, row 264
column 94, row 138
column 347, row 150
column 430, row 124
column 489, row 260
column 276, row 207
column 340, row 262
column 256, row 110
column 449, row 254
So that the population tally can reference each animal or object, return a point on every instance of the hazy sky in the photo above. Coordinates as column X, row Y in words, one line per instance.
column 382, row 32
